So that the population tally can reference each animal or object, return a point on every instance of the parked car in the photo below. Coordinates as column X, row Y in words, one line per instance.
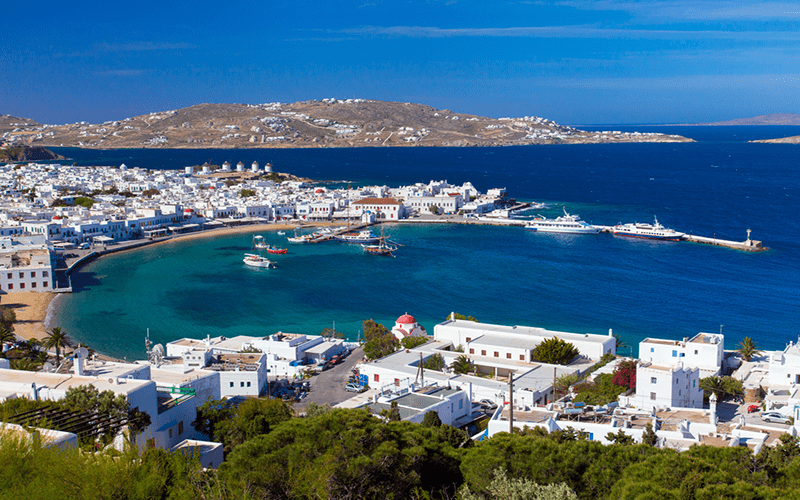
column 773, row 416
column 84, row 246
column 753, row 408
column 489, row 404
column 351, row 387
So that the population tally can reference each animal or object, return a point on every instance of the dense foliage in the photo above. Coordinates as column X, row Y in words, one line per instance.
column 555, row 351
column 461, row 316
column 231, row 425
column 625, row 374
column 351, row 454
column 434, row 362
column 414, row 341
column 724, row 387
column 747, row 348
column 600, row 391
column 380, row 341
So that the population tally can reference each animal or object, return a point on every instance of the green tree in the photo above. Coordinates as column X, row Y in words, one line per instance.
column 434, row 362
column 314, row 410
column 380, row 341
column 620, row 438
column 747, row 349
column 434, row 209
column 462, row 365
column 413, row 341
column 649, row 436
column 246, row 193
column 555, row 351
column 84, row 202
column 504, row 488
column 232, row 426
column 330, row 332
column 564, row 382
column 7, row 318
column 461, row 316
column 149, row 193
column 724, row 387
column 431, row 419
column 393, row 413
column 58, row 339
column 6, row 336
column 600, row 391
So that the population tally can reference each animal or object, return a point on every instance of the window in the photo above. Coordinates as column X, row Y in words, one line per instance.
column 694, row 383
column 44, row 284
column 21, row 275
column 248, row 383
column 33, row 274
column 9, row 275
column 170, row 432
column 652, row 396
column 472, row 351
column 483, row 352
column 469, row 338
column 377, row 378
column 22, row 285
column 180, row 427
column 522, row 357
column 674, row 353
column 653, row 380
column 652, row 349
column 679, row 392
column 695, row 352
column 33, row 285
column 496, row 354
column 11, row 286
column 241, row 384
column 231, row 384
column 508, row 355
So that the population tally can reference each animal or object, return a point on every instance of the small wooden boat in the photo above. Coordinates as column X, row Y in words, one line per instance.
column 272, row 249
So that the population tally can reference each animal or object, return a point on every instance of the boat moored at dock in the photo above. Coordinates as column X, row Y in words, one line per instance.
column 366, row 237
column 566, row 223
column 654, row 231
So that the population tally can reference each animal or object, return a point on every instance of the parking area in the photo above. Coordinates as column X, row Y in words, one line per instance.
column 328, row 387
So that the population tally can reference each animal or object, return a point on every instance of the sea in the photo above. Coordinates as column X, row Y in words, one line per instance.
column 719, row 186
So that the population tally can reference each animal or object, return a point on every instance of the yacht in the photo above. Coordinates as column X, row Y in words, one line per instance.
column 366, row 236
column 564, row 224
column 257, row 259
column 653, row 231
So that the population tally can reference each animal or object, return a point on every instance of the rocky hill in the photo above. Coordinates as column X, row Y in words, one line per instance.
column 28, row 153
column 326, row 123
column 784, row 140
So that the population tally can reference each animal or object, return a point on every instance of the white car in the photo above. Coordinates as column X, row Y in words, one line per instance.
column 351, row 387
column 773, row 416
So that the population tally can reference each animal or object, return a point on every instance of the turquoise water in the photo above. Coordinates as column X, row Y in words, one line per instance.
column 718, row 186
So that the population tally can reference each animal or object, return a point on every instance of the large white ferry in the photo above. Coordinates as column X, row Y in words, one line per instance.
column 652, row 231
column 565, row 224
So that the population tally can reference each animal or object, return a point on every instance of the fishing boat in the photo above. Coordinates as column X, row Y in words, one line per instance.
column 651, row 231
column 302, row 238
column 272, row 249
column 366, row 237
column 381, row 248
column 281, row 233
column 257, row 259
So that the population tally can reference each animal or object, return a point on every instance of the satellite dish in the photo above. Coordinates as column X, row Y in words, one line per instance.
column 81, row 352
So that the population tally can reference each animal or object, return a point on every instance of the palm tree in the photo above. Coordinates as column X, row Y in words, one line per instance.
column 747, row 348
column 6, row 335
column 462, row 364
column 57, row 338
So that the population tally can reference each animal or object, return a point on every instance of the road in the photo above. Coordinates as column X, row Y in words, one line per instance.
column 328, row 386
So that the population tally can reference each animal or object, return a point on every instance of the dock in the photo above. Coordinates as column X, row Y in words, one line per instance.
column 748, row 245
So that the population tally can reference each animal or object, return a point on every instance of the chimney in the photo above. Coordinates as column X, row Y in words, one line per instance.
column 712, row 417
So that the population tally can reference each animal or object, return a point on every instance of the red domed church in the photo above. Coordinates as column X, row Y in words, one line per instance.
column 407, row 326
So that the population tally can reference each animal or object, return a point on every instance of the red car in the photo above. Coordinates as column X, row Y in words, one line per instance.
column 753, row 408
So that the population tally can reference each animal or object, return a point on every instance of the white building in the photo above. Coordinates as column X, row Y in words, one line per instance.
column 516, row 343
column 673, row 386
column 784, row 366
column 25, row 265
column 383, row 208
column 704, row 351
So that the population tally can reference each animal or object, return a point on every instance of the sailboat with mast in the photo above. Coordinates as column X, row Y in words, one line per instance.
column 381, row 248
column 257, row 258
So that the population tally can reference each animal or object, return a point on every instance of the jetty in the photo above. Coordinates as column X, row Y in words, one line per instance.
column 748, row 245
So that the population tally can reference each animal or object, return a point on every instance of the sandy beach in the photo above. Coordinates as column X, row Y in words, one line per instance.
column 32, row 307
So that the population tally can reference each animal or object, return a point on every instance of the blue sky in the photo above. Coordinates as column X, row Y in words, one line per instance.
column 576, row 62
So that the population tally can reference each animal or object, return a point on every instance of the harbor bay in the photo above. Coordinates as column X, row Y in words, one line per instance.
column 719, row 186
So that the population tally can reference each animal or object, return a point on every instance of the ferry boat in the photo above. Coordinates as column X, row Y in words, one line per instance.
column 366, row 236
column 257, row 259
column 564, row 224
column 652, row 231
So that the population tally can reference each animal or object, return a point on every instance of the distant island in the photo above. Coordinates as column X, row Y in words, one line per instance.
column 772, row 119
column 328, row 123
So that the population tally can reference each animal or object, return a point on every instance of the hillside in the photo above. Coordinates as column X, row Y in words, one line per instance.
column 325, row 123
column 784, row 140
column 773, row 119
column 28, row 153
